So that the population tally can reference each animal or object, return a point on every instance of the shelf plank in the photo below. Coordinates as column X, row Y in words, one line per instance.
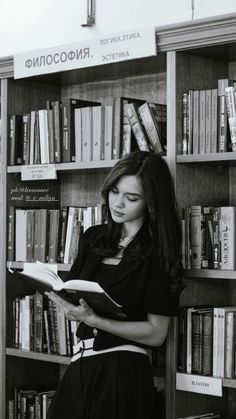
column 207, row 158
column 20, row 265
column 63, row 167
column 210, row 273
column 57, row 359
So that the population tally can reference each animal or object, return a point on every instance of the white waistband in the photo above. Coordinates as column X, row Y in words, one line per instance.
column 85, row 348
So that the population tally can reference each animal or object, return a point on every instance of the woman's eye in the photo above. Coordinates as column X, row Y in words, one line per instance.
column 114, row 190
column 132, row 199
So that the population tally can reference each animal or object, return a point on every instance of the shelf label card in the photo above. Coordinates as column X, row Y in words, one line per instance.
column 199, row 384
column 104, row 49
column 39, row 172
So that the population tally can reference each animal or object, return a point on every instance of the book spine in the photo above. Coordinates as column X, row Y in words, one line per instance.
column 43, row 234
column 151, row 127
column 184, row 123
column 78, row 134
column 38, row 322
column 20, row 235
column 190, row 121
column 32, row 137
column 214, row 113
column 116, row 132
column 68, row 134
column 62, row 234
column 202, row 122
column 26, row 138
column 30, row 235
column 196, row 122
column 197, row 320
column 196, row 236
column 136, row 127
column 216, row 343
column 207, row 343
column 37, row 156
column 43, row 136
column 229, row 344
column 215, row 228
column 208, row 121
column 52, row 334
column 11, row 234
column 97, row 123
column 87, row 133
column 108, row 125
column 53, row 224
column 230, row 99
column 14, row 140
column 51, row 136
column 227, row 238
column 57, row 125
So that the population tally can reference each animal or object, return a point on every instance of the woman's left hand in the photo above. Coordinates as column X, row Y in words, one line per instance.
column 83, row 312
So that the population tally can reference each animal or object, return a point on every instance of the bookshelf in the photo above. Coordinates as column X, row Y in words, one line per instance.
column 203, row 179
column 191, row 55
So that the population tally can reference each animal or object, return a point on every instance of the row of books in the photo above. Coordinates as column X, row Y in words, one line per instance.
column 39, row 324
column 79, row 130
column 209, row 237
column 49, row 235
column 29, row 404
column 207, row 341
column 208, row 119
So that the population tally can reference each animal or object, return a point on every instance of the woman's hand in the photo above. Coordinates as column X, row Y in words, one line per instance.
column 83, row 312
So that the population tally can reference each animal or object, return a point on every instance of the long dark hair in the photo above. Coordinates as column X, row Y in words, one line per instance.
column 161, row 209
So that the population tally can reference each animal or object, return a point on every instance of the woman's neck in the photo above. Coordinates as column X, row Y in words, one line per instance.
column 130, row 229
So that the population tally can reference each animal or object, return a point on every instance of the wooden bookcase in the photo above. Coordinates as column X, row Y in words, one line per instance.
column 191, row 55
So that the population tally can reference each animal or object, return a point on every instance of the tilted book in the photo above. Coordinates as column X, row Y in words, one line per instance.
column 44, row 278
column 153, row 116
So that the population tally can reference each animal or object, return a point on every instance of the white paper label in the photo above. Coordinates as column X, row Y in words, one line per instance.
column 199, row 384
column 38, row 172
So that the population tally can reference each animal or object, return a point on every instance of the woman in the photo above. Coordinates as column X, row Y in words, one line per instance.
column 136, row 258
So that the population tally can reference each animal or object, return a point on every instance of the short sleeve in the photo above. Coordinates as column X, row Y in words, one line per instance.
column 82, row 249
column 159, row 298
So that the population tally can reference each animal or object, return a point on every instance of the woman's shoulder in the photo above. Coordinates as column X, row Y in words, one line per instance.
column 93, row 231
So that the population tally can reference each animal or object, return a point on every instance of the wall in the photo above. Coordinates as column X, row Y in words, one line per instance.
column 28, row 24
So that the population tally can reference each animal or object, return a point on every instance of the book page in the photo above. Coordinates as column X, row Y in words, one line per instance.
column 85, row 286
column 44, row 273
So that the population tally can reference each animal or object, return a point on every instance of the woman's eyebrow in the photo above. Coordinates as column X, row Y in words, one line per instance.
column 134, row 194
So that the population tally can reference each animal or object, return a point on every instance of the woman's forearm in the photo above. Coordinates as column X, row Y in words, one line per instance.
column 151, row 332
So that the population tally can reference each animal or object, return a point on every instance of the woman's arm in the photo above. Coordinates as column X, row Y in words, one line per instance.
column 151, row 332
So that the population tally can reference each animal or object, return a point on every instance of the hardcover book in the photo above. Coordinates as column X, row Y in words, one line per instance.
column 136, row 127
column 153, row 116
column 44, row 278
column 68, row 125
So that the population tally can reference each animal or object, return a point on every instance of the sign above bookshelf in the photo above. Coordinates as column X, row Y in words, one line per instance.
column 106, row 49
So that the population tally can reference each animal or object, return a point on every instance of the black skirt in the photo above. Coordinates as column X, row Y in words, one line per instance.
column 115, row 385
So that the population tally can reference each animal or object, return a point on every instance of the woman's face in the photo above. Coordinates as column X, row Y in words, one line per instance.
column 127, row 202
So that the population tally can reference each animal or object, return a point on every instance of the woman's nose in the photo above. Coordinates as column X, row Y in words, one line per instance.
column 119, row 202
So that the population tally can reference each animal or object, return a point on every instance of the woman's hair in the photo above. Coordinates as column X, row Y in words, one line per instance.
column 161, row 210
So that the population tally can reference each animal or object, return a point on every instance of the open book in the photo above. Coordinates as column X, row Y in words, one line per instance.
column 44, row 277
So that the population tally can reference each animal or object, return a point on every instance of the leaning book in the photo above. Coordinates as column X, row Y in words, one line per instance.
column 44, row 277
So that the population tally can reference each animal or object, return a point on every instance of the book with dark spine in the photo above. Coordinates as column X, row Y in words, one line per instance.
column 153, row 116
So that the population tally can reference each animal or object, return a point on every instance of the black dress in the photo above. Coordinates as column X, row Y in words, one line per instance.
column 114, row 385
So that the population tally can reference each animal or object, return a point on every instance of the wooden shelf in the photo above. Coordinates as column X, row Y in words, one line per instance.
column 69, row 167
column 20, row 265
column 207, row 158
column 57, row 359
column 210, row 273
